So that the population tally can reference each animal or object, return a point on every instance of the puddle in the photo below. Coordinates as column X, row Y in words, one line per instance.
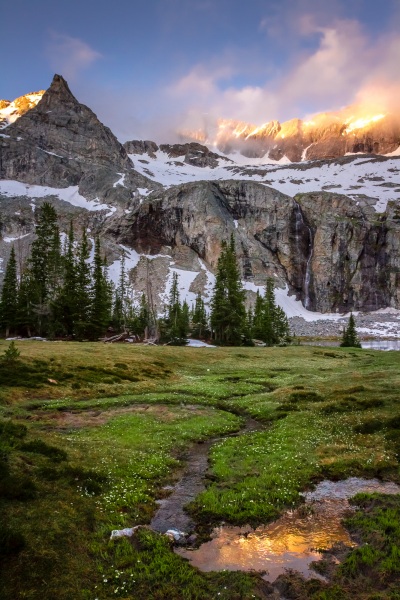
column 291, row 542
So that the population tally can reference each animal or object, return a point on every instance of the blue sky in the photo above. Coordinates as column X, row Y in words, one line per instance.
column 148, row 67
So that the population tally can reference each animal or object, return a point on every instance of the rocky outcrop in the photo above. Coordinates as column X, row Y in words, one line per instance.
column 192, row 153
column 334, row 253
column 60, row 142
column 141, row 147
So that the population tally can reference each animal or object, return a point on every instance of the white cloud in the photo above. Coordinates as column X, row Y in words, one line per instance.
column 68, row 55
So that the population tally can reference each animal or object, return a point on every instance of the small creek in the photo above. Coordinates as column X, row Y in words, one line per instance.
column 171, row 514
column 292, row 541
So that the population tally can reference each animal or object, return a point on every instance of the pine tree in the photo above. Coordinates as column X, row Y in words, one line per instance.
column 65, row 305
column 349, row 337
column 199, row 327
column 9, row 299
column 258, row 318
column 144, row 318
column 100, row 296
column 83, row 284
column 119, row 318
column 45, row 266
column 269, row 313
column 176, row 324
column 25, row 315
column 228, row 312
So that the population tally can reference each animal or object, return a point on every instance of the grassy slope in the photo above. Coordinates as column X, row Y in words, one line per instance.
column 124, row 415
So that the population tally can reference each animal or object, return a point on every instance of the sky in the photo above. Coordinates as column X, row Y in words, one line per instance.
column 148, row 68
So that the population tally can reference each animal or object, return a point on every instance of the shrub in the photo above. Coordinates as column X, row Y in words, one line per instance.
column 11, row 355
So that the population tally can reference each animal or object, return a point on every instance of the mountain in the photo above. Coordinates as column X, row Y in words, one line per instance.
column 327, row 135
column 327, row 230
column 11, row 111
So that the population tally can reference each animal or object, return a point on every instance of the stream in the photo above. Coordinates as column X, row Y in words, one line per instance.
column 291, row 542
column 171, row 514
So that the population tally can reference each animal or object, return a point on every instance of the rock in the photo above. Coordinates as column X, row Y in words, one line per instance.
column 127, row 532
column 141, row 147
column 195, row 154
column 334, row 253
column 175, row 535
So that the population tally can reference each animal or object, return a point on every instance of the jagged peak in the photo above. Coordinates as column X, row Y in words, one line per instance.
column 59, row 89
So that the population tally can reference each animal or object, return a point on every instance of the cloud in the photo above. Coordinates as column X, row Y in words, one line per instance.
column 68, row 55
column 330, row 63
column 343, row 66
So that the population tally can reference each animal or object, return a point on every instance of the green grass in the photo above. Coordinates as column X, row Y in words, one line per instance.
column 90, row 452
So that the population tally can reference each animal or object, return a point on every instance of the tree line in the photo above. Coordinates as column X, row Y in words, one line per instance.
column 60, row 293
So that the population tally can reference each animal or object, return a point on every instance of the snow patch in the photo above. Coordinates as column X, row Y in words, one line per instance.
column 70, row 194
column 120, row 180
column 198, row 344
column 12, row 239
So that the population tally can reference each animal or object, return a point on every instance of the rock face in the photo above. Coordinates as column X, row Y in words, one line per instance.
column 192, row 153
column 60, row 142
column 326, row 136
column 333, row 253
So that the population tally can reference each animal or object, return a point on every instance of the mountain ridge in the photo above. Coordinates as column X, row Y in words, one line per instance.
column 328, row 231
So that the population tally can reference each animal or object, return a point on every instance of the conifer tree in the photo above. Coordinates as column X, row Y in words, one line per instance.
column 258, row 318
column 65, row 305
column 83, row 284
column 100, row 296
column 45, row 265
column 199, row 318
column 227, row 305
column 25, row 315
column 276, row 324
column 349, row 337
column 120, row 300
column 9, row 299
column 177, row 318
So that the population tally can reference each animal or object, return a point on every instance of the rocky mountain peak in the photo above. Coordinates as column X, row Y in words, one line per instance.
column 60, row 142
column 59, row 92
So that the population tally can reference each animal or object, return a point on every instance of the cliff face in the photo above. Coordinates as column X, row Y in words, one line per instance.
column 333, row 253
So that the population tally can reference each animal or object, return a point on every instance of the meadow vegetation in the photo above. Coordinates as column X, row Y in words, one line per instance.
column 90, row 435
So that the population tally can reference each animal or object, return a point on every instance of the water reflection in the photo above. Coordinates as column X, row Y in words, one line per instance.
column 370, row 344
column 290, row 542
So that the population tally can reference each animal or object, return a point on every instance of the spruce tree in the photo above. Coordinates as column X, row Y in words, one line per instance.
column 258, row 318
column 100, row 296
column 9, row 298
column 270, row 336
column 120, row 301
column 83, row 284
column 45, row 266
column 199, row 318
column 25, row 315
column 177, row 317
column 65, row 305
column 349, row 337
column 228, row 312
